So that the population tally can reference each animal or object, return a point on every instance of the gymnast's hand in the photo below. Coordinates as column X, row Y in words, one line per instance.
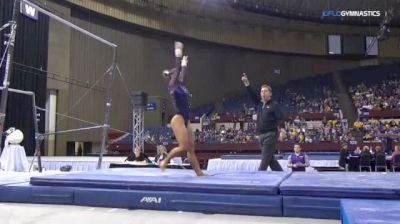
column 184, row 61
column 178, row 49
column 245, row 80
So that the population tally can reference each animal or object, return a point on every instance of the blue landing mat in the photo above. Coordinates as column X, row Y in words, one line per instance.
column 254, row 193
column 267, row 205
column 370, row 212
column 342, row 185
column 25, row 193
column 149, row 179
column 311, row 207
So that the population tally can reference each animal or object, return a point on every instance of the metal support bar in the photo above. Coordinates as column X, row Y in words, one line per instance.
column 70, row 130
column 36, row 128
column 138, row 128
column 106, row 126
column 9, row 67
column 5, row 26
column 30, row 93
column 81, row 120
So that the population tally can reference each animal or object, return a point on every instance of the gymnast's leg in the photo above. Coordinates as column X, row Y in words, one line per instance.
column 180, row 132
column 191, row 152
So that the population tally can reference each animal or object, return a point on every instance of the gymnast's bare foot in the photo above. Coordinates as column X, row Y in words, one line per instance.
column 163, row 165
column 201, row 174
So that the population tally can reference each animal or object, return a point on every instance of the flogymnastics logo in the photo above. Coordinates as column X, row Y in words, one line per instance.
column 331, row 13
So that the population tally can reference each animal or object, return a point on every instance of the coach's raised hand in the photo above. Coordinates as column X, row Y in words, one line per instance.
column 245, row 80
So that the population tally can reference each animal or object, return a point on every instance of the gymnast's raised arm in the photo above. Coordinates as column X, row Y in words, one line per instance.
column 173, row 82
column 182, row 74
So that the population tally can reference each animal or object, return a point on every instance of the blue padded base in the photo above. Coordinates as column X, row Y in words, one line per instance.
column 267, row 205
column 25, row 193
column 311, row 207
column 310, row 195
column 370, row 211
column 342, row 185
column 151, row 179
column 177, row 201
column 254, row 193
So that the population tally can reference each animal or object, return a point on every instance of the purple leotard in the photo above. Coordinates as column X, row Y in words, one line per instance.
column 180, row 95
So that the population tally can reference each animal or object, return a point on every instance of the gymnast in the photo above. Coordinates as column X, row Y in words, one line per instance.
column 180, row 122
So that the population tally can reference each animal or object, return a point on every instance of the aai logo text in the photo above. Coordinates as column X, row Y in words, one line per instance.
column 149, row 200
